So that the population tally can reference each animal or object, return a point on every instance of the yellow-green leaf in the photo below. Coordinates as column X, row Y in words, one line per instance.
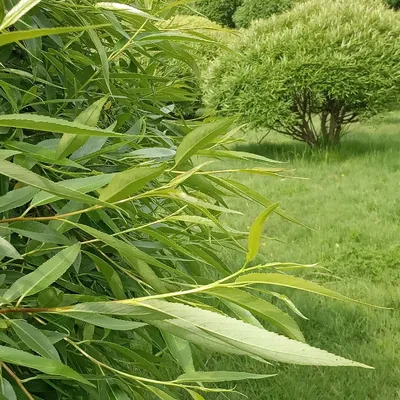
column 15, row 36
column 261, row 308
column 295, row 283
column 218, row 376
column 17, row 12
column 129, row 181
column 200, row 137
column 255, row 232
column 124, row 8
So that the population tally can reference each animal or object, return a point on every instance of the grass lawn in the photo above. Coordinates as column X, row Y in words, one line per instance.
column 352, row 200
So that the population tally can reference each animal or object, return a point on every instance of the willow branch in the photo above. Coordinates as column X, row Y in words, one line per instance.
column 17, row 381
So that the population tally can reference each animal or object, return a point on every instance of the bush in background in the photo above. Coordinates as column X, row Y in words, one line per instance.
column 220, row 11
column 394, row 4
column 311, row 71
column 254, row 9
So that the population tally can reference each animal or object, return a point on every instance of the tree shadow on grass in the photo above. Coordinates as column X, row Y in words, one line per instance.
column 352, row 146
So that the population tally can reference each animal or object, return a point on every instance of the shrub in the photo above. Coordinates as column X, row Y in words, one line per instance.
column 110, row 236
column 204, row 52
column 254, row 9
column 394, row 4
column 313, row 70
column 219, row 11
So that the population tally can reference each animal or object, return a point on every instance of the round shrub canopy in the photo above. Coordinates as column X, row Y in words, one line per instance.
column 255, row 9
column 310, row 71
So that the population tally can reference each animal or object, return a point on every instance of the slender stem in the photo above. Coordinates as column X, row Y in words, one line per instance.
column 49, row 218
column 23, row 310
column 17, row 381
column 126, row 375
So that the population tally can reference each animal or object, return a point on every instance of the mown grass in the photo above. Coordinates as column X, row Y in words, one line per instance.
column 351, row 200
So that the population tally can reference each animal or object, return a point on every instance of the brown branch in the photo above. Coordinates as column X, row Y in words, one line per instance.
column 27, row 310
column 50, row 218
column 17, row 381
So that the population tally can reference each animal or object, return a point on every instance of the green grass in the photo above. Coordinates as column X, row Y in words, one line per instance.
column 352, row 200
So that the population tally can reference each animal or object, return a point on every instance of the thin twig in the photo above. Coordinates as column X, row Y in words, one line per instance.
column 17, row 381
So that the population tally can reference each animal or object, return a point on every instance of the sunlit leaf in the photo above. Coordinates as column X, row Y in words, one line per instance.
column 52, row 367
column 295, row 283
column 218, row 376
column 17, row 12
column 44, row 275
column 129, row 181
column 11, row 37
column 200, row 137
column 255, row 232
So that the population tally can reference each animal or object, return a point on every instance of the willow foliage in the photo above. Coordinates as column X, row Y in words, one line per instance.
column 111, row 242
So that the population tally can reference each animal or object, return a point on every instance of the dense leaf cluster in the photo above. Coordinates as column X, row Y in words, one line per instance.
column 220, row 11
column 113, row 282
column 251, row 10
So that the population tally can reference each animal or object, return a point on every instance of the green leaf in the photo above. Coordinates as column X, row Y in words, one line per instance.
column 103, row 56
column 35, row 339
column 17, row 12
column 17, row 198
column 243, row 314
column 225, row 333
column 15, row 36
column 55, row 125
column 7, row 390
column 31, row 179
column 90, row 117
column 194, row 395
column 4, row 154
column 295, row 283
column 112, row 277
column 38, row 231
column 8, row 250
column 125, row 9
column 180, row 350
column 200, row 137
column 41, row 154
column 129, row 181
column 218, row 376
column 261, row 308
column 44, row 275
column 51, row 367
column 105, row 322
column 82, row 185
column 160, row 393
column 255, row 233
column 239, row 155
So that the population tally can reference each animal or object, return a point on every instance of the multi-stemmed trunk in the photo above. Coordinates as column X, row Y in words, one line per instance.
column 319, row 126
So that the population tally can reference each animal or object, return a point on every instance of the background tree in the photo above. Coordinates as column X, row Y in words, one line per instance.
column 311, row 71
column 251, row 10
column 394, row 4
column 219, row 11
